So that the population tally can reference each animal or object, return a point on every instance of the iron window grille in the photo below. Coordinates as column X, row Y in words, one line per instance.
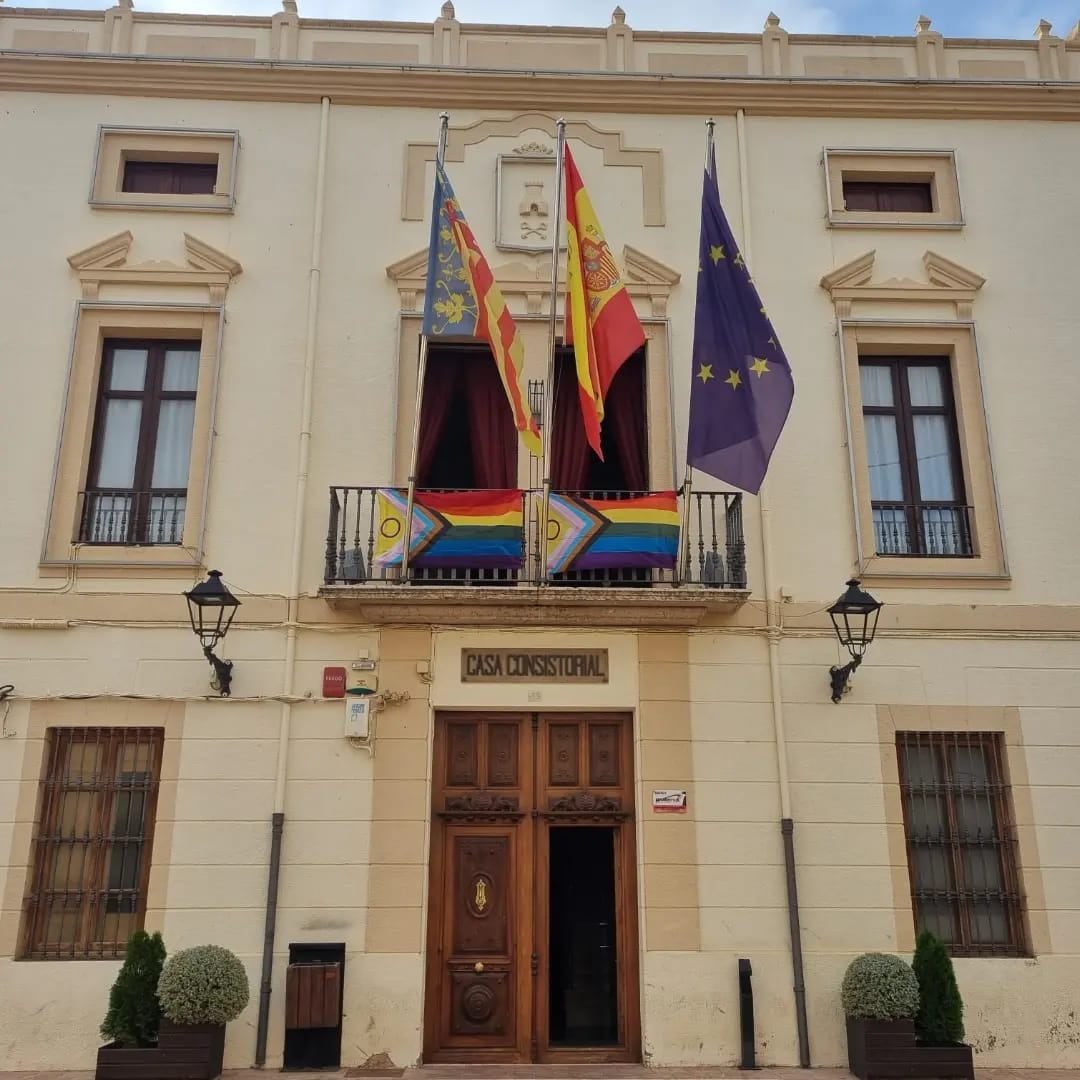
column 91, row 854
column 961, row 842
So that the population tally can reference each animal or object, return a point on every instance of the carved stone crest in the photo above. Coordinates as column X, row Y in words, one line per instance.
column 524, row 194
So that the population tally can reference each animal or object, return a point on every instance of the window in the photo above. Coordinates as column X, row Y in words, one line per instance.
column 91, row 856
column 960, row 842
column 878, row 196
column 892, row 189
column 136, row 491
column 162, row 168
column 913, row 457
column 170, row 177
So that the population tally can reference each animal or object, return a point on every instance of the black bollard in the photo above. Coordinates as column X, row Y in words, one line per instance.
column 746, row 1015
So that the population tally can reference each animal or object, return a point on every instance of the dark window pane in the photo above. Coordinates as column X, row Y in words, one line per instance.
column 170, row 177
column 885, row 196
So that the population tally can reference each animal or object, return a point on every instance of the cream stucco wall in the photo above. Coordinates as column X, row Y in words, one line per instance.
column 710, row 884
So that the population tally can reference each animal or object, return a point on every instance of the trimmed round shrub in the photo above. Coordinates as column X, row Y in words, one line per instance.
column 878, row 986
column 203, row 985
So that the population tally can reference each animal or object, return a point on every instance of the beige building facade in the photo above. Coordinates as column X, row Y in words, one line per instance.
column 214, row 258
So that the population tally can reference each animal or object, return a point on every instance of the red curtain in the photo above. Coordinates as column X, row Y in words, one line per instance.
column 491, row 424
column 625, row 424
column 570, row 452
column 440, row 382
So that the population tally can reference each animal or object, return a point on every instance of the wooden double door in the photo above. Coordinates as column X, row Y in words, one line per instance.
column 532, row 926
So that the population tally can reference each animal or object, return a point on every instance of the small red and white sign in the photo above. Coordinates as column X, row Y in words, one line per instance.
column 669, row 801
column 333, row 682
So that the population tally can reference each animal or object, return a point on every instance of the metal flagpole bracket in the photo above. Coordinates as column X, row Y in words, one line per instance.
column 549, row 392
column 421, row 370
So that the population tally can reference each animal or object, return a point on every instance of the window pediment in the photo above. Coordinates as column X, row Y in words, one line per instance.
column 106, row 263
column 946, row 281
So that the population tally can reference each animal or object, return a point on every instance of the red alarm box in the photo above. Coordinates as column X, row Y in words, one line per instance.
column 333, row 682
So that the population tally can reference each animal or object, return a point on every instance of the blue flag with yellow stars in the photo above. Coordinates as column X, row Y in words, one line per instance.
column 741, row 384
column 450, row 305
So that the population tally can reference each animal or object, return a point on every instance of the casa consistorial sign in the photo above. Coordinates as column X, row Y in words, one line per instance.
column 534, row 665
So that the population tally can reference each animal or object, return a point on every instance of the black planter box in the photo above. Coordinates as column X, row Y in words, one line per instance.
column 183, row 1052
column 888, row 1050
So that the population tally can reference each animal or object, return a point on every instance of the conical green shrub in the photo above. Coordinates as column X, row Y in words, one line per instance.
column 941, row 1010
column 134, row 1010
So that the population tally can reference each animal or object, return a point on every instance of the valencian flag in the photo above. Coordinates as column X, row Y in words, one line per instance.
column 609, row 534
column 600, row 318
column 462, row 300
column 451, row 529
column 741, row 386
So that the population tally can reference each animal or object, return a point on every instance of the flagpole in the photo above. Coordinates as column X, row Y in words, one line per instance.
column 683, row 567
column 421, row 371
column 549, row 387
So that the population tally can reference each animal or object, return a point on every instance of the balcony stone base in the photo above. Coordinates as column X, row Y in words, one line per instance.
column 524, row 605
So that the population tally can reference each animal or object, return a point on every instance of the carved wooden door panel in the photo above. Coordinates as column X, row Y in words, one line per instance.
column 479, row 994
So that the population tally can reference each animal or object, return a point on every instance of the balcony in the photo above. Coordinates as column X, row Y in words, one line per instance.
column 133, row 518
column 929, row 530
column 598, row 586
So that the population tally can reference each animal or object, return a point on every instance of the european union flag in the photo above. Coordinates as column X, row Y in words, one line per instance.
column 450, row 307
column 742, row 387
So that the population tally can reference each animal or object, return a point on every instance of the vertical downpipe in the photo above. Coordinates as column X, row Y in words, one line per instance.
column 277, row 821
column 774, row 629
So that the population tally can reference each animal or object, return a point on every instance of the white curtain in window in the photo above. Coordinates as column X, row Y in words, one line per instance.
column 173, row 450
column 181, row 369
column 876, row 384
column 934, row 456
column 119, row 444
column 128, row 369
column 924, row 386
column 883, row 458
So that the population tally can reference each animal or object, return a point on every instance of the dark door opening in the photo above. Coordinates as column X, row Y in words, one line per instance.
column 582, row 988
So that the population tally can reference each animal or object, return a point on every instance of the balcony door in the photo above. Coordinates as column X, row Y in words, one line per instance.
column 467, row 435
column 532, row 930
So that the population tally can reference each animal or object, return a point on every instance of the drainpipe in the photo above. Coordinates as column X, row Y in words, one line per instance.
column 774, row 629
column 277, row 820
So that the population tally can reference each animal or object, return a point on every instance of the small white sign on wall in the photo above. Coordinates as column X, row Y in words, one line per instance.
column 668, row 801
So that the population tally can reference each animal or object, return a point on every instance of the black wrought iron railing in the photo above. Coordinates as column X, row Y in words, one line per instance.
column 132, row 517
column 714, row 552
column 926, row 529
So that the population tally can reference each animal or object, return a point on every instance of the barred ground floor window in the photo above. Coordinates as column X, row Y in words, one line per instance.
column 93, row 840
column 961, row 841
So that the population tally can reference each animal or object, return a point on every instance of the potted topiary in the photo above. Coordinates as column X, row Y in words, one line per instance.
column 939, row 1026
column 881, row 1000
column 131, row 1024
column 201, row 990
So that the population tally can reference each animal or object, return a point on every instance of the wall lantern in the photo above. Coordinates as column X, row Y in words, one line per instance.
column 211, row 608
column 854, row 618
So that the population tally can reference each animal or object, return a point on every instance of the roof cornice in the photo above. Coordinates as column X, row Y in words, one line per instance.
column 621, row 92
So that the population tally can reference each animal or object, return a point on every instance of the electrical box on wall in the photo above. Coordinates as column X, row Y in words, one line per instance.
column 357, row 716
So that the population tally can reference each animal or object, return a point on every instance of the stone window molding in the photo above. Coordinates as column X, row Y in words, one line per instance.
column 910, row 318
column 191, row 307
column 416, row 196
column 935, row 167
column 116, row 145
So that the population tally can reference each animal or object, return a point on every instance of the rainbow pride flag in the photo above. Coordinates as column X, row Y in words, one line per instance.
column 610, row 534
column 451, row 530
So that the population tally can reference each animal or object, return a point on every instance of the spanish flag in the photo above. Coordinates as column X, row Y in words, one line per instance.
column 600, row 319
column 463, row 300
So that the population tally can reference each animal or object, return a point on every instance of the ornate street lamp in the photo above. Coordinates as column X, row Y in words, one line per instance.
column 211, row 608
column 854, row 618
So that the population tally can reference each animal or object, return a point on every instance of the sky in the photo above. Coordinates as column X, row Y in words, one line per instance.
column 954, row 18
